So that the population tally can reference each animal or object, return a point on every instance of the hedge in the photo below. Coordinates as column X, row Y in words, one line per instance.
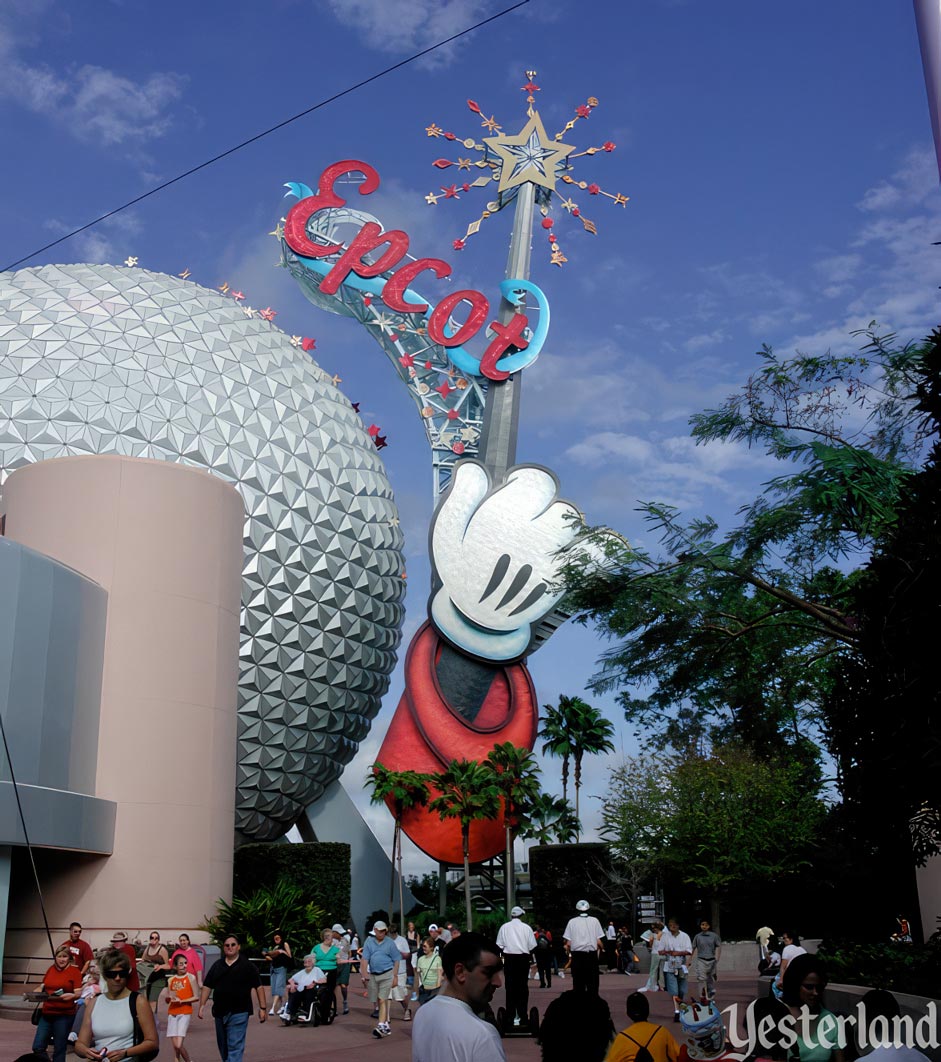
column 322, row 868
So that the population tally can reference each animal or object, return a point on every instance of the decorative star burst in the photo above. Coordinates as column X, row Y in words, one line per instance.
column 529, row 157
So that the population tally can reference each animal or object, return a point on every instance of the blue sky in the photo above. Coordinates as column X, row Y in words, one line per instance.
column 778, row 159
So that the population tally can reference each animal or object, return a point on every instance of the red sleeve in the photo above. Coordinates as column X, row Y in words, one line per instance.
column 85, row 952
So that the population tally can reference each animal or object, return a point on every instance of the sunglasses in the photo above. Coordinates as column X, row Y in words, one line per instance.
column 233, row 945
column 118, row 973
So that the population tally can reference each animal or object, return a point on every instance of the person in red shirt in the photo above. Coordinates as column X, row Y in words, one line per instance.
column 61, row 983
column 119, row 943
column 79, row 950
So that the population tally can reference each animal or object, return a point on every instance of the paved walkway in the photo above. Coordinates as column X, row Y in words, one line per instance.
column 351, row 1037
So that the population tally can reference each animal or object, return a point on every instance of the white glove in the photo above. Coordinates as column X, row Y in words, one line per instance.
column 495, row 555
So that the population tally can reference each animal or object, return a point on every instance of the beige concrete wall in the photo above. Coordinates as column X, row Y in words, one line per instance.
column 165, row 541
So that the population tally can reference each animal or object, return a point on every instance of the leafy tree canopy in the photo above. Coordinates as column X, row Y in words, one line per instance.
column 715, row 821
column 733, row 637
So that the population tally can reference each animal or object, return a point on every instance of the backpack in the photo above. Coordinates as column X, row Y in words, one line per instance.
column 542, row 942
column 643, row 1055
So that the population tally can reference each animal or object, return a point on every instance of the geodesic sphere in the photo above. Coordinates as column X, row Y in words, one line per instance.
column 96, row 359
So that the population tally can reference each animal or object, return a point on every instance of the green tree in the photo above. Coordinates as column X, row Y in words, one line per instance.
column 593, row 735
column 405, row 790
column 516, row 774
column 884, row 714
column 735, row 637
column 715, row 821
column 252, row 918
column 549, row 819
column 467, row 791
column 558, row 734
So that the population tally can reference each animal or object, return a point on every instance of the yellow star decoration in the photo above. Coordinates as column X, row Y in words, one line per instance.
column 131, row 260
column 277, row 231
column 433, row 130
column 224, row 287
column 491, row 123
column 184, row 274
column 431, row 199
column 529, row 157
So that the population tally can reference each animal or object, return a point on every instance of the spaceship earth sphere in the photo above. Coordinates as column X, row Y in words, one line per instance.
column 96, row 359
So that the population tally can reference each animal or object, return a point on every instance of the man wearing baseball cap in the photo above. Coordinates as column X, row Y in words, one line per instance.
column 517, row 942
column 380, row 969
column 584, row 939
column 119, row 943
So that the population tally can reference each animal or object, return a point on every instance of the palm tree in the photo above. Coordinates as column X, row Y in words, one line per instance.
column 593, row 735
column 558, row 734
column 517, row 778
column 571, row 730
column 405, row 790
column 550, row 818
column 468, row 792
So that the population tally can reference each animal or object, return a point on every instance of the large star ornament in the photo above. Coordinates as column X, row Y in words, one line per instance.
column 529, row 157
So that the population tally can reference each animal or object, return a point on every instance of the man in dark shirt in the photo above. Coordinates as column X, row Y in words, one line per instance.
column 234, row 982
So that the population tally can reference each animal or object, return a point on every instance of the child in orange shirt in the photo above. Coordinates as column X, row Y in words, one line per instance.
column 182, row 992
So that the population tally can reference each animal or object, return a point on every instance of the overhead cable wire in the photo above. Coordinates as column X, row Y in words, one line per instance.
column 267, row 132
column 29, row 847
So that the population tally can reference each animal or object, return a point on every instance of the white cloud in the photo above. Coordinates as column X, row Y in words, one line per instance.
column 90, row 102
column 109, row 241
column 400, row 26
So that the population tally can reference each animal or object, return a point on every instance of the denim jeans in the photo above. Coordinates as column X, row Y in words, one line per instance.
column 676, row 984
column 230, row 1036
column 58, row 1027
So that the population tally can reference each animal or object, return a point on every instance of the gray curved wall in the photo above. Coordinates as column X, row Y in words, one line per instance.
column 52, row 630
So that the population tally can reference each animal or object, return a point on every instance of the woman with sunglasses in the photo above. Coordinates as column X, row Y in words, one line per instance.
column 159, row 958
column 108, row 1026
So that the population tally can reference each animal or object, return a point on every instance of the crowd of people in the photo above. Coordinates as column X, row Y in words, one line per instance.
column 446, row 981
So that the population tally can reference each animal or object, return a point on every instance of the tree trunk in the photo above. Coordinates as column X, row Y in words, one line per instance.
column 465, row 839
column 565, row 777
column 715, row 909
column 442, row 889
column 395, row 844
column 401, row 889
column 509, row 872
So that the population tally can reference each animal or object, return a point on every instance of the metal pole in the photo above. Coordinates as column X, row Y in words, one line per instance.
column 501, row 413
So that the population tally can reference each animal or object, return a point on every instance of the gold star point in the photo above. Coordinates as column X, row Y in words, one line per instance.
column 528, row 157
column 433, row 130
column 277, row 231
column 184, row 274
column 431, row 199
column 131, row 260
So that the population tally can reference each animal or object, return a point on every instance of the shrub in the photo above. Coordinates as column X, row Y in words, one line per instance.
column 914, row 968
column 320, row 868
column 252, row 918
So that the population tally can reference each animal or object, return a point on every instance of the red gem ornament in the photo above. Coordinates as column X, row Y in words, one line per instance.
column 473, row 106
column 576, row 212
column 427, row 364
column 453, row 414
column 308, row 344
column 408, row 360
column 458, row 448
column 547, row 223
column 583, row 111
column 608, row 145
column 450, row 193
column 444, row 389
column 450, row 136
column 458, row 245
column 594, row 189
column 373, row 430
column 442, row 164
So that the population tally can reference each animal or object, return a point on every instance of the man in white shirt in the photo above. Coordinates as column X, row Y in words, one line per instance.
column 675, row 950
column 584, row 939
column 517, row 942
column 447, row 1029
column 302, row 991
column 401, row 990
